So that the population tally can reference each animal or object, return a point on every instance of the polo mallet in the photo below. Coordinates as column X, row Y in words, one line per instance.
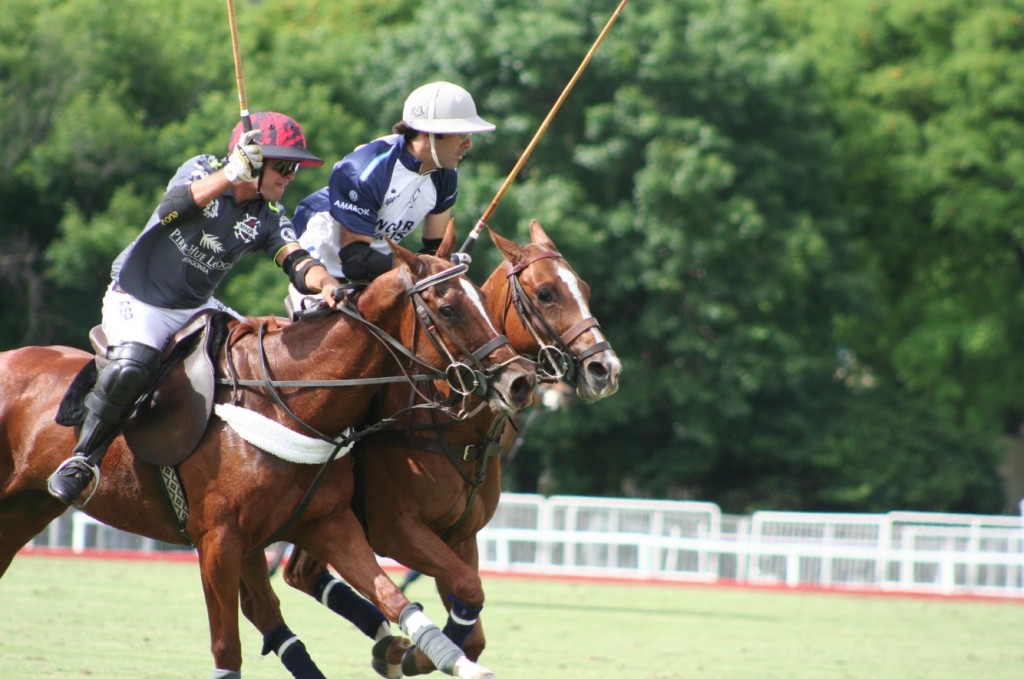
column 246, row 121
column 475, row 233
column 242, row 105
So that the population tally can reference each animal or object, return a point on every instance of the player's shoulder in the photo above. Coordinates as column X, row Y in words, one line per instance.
column 380, row 147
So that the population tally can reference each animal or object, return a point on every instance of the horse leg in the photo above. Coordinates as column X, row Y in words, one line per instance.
column 458, row 583
column 311, row 576
column 220, row 571
column 23, row 516
column 340, row 541
column 261, row 606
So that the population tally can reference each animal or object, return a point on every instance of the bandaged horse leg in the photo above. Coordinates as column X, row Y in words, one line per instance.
column 428, row 638
column 292, row 653
column 346, row 602
column 334, row 593
column 261, row 607
column 462, row 619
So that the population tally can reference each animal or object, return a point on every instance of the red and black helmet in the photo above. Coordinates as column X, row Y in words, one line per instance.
column 282, row 138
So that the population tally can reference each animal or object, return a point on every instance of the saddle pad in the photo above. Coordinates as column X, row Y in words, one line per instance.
column 71, row 412
column 279, row 440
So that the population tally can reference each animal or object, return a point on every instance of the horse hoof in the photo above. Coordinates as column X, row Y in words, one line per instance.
column 467, row 669
column 387, row 656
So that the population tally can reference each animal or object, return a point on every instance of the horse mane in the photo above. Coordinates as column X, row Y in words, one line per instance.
column 251, row 325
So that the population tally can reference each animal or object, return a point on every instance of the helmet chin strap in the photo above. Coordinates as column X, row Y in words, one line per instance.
column 433, row 151
column 430, row 116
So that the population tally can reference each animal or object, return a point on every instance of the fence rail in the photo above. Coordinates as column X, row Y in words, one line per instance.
column 915, row 552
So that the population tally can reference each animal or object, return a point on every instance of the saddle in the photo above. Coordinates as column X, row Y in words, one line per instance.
column 167, row 424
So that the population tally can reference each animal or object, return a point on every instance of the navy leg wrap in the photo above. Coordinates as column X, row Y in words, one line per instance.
column 429, row 639
column 292, row 653
column 461, row 620
column 347, row 603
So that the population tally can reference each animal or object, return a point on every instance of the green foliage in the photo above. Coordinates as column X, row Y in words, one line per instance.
column 928, row 99
column 800, row 220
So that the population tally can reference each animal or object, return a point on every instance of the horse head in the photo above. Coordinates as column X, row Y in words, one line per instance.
column 547, row 314
column 448, row 327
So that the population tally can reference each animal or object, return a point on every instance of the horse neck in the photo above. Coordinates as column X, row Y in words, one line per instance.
column 329, row 348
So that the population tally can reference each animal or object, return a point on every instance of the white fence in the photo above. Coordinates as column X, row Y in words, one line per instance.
column 694, row 542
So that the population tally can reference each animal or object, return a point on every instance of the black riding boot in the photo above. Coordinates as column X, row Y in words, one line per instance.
column 129, row 375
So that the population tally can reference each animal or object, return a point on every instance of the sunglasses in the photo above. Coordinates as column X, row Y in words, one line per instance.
column 285, row 168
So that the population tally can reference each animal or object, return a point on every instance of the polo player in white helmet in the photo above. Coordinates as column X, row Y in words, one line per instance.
column 383, row 190
column 442, row 108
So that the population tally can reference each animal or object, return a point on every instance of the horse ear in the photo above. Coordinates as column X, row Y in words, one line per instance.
column 512, row 252
column 539, row 236
column 402, row 255
column 447, row 247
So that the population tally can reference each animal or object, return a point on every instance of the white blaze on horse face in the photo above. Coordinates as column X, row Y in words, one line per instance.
column 573, row 283
column 474, row 295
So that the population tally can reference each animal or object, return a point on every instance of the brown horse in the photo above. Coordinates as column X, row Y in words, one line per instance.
column 239, row 496
column 428, row 487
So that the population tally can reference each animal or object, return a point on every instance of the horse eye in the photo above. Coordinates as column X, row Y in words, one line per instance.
column 545, row 295
column 447, row 312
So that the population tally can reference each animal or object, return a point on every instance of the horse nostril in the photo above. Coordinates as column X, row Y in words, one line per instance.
column 522, row 388
column 598, row 371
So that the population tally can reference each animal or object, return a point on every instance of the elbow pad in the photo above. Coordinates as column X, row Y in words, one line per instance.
column 177, row 204
column 360, row 262
column 297, row 265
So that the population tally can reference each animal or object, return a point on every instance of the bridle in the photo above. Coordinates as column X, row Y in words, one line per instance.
column 462, row 377
column 465, row 378
column 555, row 359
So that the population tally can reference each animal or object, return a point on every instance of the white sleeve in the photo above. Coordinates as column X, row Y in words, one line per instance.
column 322, row 240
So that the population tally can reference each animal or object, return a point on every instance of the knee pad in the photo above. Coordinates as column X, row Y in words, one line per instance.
column 133, row 367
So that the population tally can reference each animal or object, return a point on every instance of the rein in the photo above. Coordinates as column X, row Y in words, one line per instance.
column 555, row 361
column 456, row 378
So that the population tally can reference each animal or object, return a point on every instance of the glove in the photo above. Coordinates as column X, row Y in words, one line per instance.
column 461, row 258
column 246, row 160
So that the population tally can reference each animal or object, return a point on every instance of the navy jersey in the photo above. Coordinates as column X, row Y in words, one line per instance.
column 378, row 191
column 179, row 266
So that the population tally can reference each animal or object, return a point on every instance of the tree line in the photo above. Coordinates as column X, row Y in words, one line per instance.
column 800, row 220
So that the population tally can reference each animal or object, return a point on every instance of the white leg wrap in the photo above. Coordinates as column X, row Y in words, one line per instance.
column 467, row 669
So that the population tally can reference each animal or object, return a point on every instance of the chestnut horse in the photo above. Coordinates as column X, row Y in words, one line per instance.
column 428, row 487
column 239, row 496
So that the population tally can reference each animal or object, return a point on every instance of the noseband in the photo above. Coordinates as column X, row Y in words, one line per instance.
column 555, row 360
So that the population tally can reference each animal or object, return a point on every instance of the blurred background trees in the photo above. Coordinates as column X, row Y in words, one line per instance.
column 801, row 221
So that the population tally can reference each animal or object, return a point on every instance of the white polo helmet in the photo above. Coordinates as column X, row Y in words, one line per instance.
column 443, row 108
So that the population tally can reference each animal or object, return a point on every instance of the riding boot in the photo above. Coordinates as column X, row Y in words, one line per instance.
column 120, row 384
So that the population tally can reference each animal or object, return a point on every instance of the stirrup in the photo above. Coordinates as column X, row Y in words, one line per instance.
column 93, row 468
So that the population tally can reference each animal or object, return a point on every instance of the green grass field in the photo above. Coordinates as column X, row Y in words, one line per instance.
column 113, row 619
